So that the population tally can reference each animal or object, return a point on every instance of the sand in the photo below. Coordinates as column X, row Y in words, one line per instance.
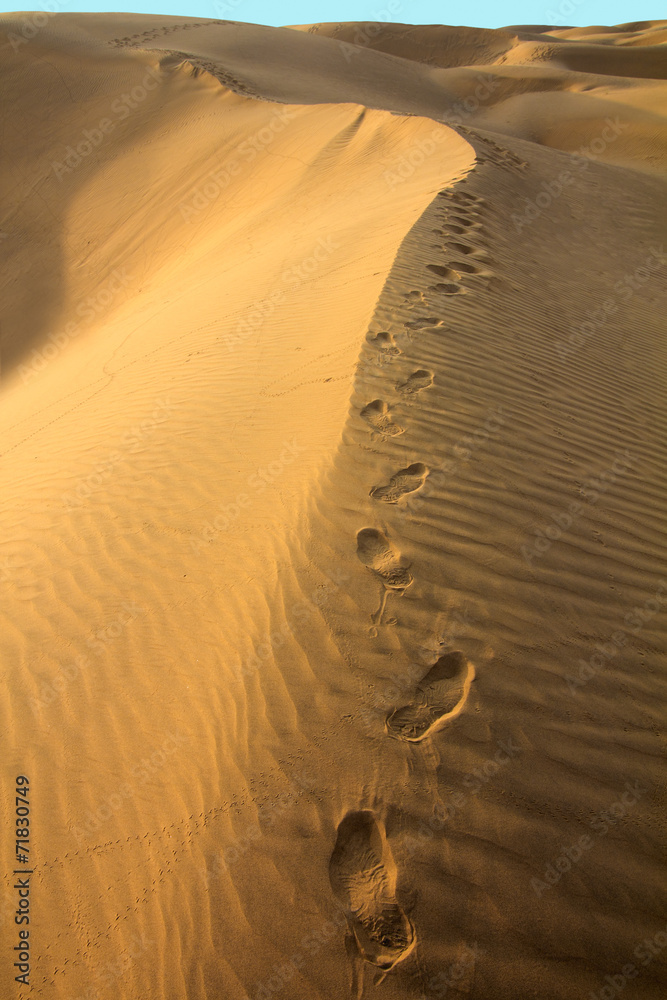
column 339, row 674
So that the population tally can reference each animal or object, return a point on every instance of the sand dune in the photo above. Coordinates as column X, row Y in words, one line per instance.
column 333, row 508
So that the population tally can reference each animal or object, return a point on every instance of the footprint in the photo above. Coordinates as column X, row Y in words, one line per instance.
column 377, row 415
column 377, row 553
column 442, row 272
column 425, row 321
column 463, row 196
column 446, row 288
column 440, row 696
column 461, row 248
column 421, row 379
column 362, row 873
column 403, row 482
column 463, row 267
column 384, row 341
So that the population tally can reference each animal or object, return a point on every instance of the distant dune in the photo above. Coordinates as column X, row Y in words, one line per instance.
column 333, row 525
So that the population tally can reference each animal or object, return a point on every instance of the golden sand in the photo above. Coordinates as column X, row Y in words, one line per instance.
column 333, row 553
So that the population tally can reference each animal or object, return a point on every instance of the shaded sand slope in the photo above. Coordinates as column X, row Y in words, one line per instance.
column 324, row 524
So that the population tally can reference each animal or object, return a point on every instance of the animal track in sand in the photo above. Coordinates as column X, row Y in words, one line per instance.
column 363, row 874
column 421, row 379
column 402, row 483
column 376, row 413
column 384, row 341
column 440, row 697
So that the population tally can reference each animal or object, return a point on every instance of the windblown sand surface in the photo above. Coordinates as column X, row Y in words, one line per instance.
column 333, row 552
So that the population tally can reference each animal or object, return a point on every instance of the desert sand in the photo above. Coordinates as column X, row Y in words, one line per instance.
column 333, row 553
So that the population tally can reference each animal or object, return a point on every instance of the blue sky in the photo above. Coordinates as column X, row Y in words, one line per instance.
column 483, row 13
